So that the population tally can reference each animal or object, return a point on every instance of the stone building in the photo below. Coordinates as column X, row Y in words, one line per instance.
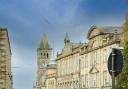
column 44, row 54
column 94, row 56
column 5, row 60
column 84, row 66
column 51, row 76
column 79, row 65
column 68, row 71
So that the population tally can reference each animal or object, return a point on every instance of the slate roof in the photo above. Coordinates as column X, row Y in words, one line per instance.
column 111, row 29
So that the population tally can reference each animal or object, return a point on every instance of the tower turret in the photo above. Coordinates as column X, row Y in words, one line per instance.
column 66, row 39
column 44, row 42
column 44, row 53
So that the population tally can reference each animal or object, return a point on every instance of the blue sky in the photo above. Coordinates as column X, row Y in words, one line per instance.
column 27, row 20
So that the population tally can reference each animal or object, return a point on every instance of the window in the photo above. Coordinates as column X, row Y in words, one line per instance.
column 104, row 55
column 93, row 58
column 41, row 55
column 82, row 62
column 86, row 61
column 93, row 80
column 83, row 81
column 67, row 66
column 105, row 79
column 47, row 55
column 86, row 81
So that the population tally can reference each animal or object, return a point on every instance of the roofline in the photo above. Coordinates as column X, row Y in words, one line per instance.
column 90, row 30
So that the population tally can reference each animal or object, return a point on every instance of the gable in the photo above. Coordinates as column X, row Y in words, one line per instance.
column 93, row 70
column 94, row 31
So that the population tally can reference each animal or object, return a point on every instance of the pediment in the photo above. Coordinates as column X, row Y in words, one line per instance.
column 93, row 70
column 94, row 31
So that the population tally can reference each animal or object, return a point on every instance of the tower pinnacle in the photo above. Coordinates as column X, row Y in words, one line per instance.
column 66, row 39
column 44, row 42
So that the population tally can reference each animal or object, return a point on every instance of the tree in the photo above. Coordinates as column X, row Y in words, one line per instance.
column 124, row 75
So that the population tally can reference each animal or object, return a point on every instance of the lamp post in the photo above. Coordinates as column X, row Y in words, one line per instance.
column 113, row 71
column 113, row 60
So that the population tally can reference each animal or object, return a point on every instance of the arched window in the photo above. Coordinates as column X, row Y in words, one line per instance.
column 47, row 55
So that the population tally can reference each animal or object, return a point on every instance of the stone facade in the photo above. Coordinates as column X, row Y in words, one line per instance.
column 94, row 56
column 83, row 65
column 68, row 65
column 51, row 76
column 5, row 60
column 44, row 53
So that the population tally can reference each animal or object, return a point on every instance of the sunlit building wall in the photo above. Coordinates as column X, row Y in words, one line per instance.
column 5, row 60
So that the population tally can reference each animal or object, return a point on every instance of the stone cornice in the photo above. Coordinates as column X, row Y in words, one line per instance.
column 67, row 54
column 86, row 50
column 69, row 75
column 99, row 47
column 44, row 49
column 51, row 77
